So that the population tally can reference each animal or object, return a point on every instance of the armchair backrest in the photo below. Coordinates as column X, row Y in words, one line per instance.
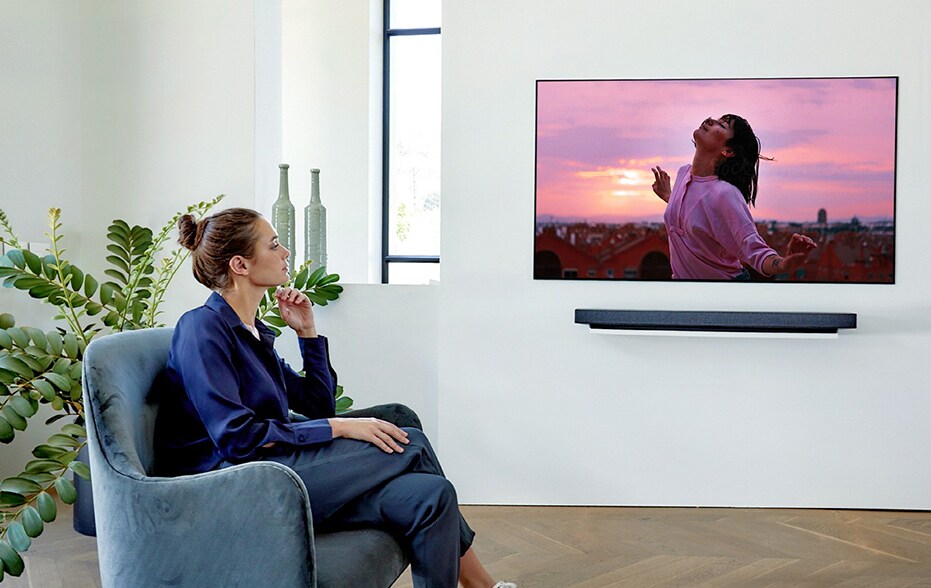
column 119, row 372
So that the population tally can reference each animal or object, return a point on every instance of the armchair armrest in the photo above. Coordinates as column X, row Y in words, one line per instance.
column 246, row 525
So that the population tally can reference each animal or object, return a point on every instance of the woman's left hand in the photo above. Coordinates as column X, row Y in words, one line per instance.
column 296, row 310
column 800, row 245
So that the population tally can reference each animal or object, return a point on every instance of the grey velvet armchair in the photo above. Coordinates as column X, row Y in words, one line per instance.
column 247, row 525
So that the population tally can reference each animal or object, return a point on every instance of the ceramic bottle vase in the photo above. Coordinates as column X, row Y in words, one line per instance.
column 315, row 225
column 283, row 215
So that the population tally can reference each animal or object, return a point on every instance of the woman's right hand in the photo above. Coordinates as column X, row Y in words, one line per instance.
column 379, row 433
column 661, row 187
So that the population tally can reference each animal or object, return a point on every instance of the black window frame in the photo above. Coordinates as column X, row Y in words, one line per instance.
column 386, row 258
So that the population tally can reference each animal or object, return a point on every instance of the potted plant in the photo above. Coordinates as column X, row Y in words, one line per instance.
column 44, row 367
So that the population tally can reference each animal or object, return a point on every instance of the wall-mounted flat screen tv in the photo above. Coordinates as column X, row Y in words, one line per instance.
column 765, row 179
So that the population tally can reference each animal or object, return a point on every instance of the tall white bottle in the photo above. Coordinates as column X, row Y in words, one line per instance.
column 315, row 225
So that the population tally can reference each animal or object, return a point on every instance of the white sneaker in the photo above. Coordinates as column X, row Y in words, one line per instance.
column 505, row 585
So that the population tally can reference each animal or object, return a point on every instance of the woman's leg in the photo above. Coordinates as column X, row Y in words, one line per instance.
column 423, row 510
column 471, row 572
column 353, row 483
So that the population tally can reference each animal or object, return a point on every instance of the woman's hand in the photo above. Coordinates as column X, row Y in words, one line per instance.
column 379, row 433
column 661, row 187
column 296, row 310
column 796, row 254
column 800, row 245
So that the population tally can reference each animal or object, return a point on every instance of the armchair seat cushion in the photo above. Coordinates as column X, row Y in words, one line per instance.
column 375, row 558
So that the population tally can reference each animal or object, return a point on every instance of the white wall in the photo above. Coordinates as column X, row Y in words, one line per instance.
column 40, row 152
column 127, row 109
column 535, row 409
column 526, row 406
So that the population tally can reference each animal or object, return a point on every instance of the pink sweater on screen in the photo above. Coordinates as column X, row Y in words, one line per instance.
column 710, row 229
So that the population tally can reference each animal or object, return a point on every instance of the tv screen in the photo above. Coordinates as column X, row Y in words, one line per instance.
column 656, row 180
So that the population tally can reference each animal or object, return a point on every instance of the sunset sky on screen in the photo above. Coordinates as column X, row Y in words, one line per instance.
column 833, row 141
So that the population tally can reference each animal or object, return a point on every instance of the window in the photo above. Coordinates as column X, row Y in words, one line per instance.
column 411, row 142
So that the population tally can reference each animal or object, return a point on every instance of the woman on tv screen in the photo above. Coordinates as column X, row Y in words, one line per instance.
column 712, row 235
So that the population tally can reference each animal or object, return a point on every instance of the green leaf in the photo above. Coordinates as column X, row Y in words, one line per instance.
column 19, row 337
column 92, row 308
column 66, row 458
column 120, row 226
column 45, row 389
column 62, row 366
column 5, row 340
column 77, row 279
column 301, row 279
column 116, row 275
column 107, row 289
column 25, row 282
column 90, row 285
column 15, row 420
column 118, row 262
column 32, row 521
column 55, row 342
column 16, row 257
column 17, row 536
column 22, row 406
column 71, row 345
column 50, row 264
column 59, row 440
column 66, row 490
column 20, row 486
column 343, row 404
column 45, row 451
column 34, row 364
column 80, row 469
column 40, row 478
column 316, row 298
column 7, row 320
column 7, row 377
column 74, row 430
column 274, row 320
column 33, row 261
column 329, row 279
column 12, row 562
column 61, row 382
column 12, row 500
column 118, row 251
column 15, row 365
column 45, row 504
column 316, row 276
column 111, row 318
column 39, row 466
column 6, row 431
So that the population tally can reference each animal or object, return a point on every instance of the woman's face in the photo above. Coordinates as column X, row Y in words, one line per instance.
column 268, row 265
column 713, row 135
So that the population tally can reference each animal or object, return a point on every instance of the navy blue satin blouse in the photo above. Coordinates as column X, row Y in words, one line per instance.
column 228, row 393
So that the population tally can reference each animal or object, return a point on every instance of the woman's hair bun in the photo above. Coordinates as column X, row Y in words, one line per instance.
column 187, row 231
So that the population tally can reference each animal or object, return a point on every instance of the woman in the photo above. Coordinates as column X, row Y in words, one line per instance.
column 711, row 232
column 230, row 394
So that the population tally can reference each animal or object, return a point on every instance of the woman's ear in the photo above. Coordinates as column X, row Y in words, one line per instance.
column 728, row 152
column 239, row 265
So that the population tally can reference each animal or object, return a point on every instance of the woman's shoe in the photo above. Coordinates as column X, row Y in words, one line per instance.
column 505, row 585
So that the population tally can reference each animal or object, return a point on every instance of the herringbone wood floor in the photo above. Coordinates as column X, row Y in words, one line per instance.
column 561, row 547
column 578, row 547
